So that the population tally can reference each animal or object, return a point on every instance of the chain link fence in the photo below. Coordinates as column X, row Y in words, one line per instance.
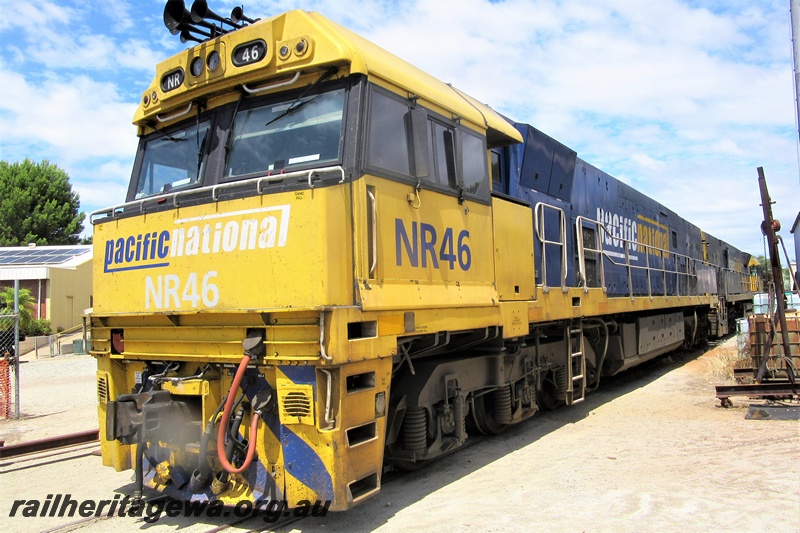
column 8, row 343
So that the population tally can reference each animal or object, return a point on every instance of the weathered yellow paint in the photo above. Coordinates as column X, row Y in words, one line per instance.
column 515, row 319
column 344, row 463
column 291, row 398
column 401, row 281
column 513, row 250
column 192, row 387
column 391, row 325
column 556, row 305
column 282, row 251
column 114, row 453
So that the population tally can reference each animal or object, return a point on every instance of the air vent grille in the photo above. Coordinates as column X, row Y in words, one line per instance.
column 296, row 404
column 102, row 389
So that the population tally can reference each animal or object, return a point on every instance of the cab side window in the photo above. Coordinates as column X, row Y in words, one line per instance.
column 441, row 147
column 409, row 142
column 387, row 144
column 474, row 168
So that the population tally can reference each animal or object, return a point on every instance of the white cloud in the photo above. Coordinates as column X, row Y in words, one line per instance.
column 74, row 117
column 34, row 14
column 681, row 99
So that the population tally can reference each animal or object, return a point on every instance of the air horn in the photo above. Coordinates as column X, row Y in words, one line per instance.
column 237, row 15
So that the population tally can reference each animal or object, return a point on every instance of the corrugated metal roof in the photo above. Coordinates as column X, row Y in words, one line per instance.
column 10, row 273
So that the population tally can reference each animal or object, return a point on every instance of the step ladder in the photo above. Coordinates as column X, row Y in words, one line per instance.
column 718, row 318
column 576, row 365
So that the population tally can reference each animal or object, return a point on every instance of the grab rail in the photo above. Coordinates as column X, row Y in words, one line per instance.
column 689, row 271
column 539, row 211
column 373, row 219
column 115, row 211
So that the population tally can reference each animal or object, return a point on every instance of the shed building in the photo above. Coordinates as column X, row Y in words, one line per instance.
column 58, row 277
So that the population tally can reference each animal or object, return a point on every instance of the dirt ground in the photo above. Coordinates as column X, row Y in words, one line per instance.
column 650, row 451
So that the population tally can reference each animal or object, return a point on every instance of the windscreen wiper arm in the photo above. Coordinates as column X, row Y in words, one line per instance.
column 299, row 102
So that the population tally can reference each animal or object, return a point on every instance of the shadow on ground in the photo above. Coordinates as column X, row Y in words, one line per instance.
column 405, row 489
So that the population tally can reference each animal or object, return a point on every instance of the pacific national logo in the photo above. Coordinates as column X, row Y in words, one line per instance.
column 250, row 229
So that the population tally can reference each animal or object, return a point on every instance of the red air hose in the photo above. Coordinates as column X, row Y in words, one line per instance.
column 223, row 424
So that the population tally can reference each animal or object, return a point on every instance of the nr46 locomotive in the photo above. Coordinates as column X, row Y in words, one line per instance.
column 329, row 260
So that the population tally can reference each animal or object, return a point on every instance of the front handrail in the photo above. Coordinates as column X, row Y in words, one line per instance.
column 115, row 211
column 275, row 85
column 167, row 118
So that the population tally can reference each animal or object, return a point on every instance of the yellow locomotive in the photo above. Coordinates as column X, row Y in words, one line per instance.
column 329, row 260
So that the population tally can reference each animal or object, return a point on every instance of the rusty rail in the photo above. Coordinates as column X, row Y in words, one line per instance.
column 773, row 390
column 49, row 443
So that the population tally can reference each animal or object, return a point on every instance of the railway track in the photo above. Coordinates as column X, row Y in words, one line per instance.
column 50, row 443
column 48, row 451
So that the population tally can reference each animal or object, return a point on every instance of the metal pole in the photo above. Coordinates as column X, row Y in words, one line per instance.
column 794, row 10
column 16, row 349
column 794, row 14
column 769, row 227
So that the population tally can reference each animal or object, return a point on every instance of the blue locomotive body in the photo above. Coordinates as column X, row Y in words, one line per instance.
column 593, row 230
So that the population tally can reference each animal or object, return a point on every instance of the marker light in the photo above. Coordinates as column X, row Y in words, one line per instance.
column 213, row 61
column 196, row 67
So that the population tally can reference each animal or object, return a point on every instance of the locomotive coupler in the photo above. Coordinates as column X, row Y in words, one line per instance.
column 146, row 417
column 151, row 416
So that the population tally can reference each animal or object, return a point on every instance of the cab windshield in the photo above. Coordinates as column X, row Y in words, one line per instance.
column 172, row 161
column 287, row 135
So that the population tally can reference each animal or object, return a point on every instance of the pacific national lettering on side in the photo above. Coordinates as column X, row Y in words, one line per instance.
column 140, row 251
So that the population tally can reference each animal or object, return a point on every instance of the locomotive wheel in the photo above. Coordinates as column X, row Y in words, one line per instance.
column 547, row 398
column 482, row 416
column 410, row 466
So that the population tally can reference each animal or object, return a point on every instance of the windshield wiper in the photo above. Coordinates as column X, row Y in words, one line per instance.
column 169, row 137
column 201, row 148
column 291, row 109
column 299, row 102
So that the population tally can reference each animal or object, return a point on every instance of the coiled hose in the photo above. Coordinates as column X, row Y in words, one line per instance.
column 226, row 416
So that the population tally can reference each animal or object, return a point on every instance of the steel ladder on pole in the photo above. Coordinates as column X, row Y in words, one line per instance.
column 576, row 366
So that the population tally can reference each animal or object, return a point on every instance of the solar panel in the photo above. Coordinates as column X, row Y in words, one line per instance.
column 40, row 255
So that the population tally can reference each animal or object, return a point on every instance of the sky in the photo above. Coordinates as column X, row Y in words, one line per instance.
column 681, row 99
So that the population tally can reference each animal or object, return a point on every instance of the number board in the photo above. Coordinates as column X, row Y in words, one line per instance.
column 251, row 52
column 172, row 80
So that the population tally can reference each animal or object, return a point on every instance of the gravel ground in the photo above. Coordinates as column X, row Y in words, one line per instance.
column 650, row 451
column 58, row 395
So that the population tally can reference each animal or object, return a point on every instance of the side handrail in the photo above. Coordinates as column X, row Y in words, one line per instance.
column 690, row 262
column 115, row 211
column 539, row 211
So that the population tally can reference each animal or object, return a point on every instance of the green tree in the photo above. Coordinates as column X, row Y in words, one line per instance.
column 37, row 204
column 27, row 303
